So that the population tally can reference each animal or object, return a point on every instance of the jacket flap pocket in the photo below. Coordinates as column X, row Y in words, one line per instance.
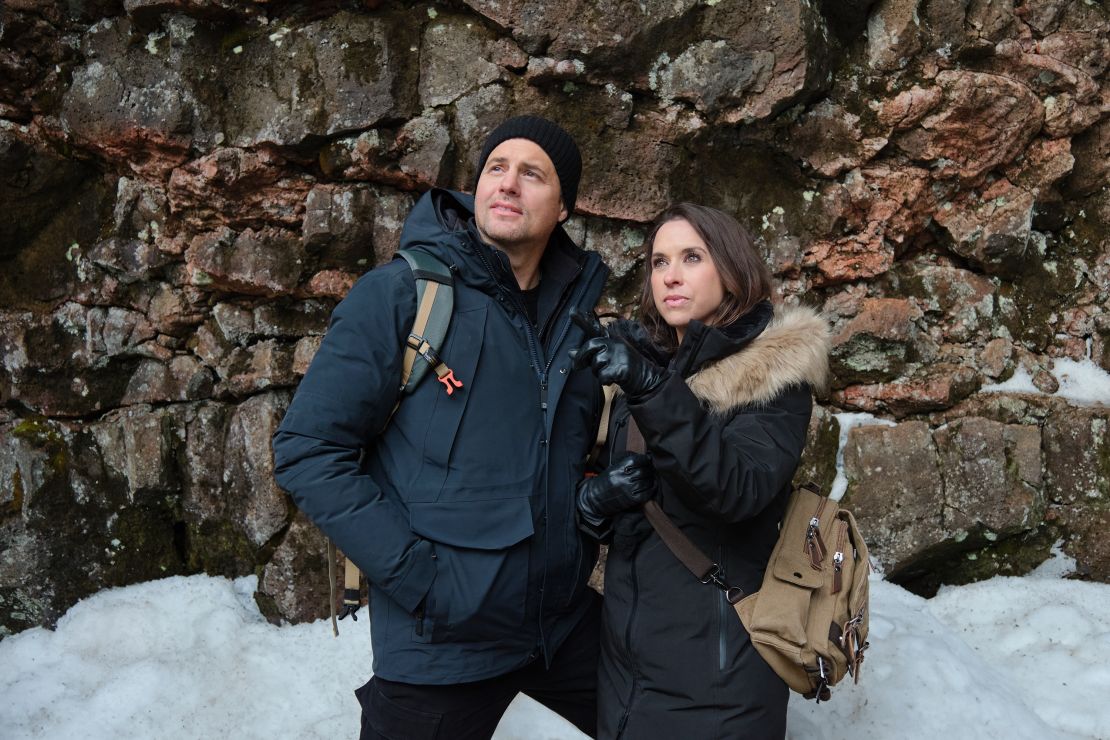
column 490, row 524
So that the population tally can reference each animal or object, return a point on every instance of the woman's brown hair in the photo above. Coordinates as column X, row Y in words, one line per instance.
column 745, row 276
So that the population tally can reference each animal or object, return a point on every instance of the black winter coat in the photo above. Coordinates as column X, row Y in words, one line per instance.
column 725, row 433
column 461, row 511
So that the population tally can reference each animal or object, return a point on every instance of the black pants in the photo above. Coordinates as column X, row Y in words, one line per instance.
column 471, row 711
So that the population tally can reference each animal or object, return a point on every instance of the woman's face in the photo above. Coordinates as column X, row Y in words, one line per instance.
column 685, row 284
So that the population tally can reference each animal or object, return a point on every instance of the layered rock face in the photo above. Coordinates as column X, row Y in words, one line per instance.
column 189, row 186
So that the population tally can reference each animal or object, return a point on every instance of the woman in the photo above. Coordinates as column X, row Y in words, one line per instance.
column 719, row 383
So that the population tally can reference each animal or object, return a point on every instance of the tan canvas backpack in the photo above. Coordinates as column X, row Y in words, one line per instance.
column 809, row 619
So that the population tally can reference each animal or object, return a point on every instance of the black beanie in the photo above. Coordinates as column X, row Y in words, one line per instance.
column 556, row 143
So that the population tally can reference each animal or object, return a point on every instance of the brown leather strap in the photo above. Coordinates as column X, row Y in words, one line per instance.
column 686, row 551
column 635, row 441
column 704, row 569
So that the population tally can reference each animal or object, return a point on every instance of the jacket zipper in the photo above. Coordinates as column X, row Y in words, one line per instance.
column 628, row 649
column 722, row 615
column 541, row 372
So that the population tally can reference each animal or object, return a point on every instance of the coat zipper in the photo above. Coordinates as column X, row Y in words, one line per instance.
column 628, row 649
column 722, row 615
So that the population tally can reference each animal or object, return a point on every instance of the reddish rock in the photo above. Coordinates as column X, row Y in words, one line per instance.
column 622, row 181
column 170, row 311
column 876, row 344
column 1045, row 382
column 939, row 386
column 130, row 104
column 263, row 365
column 1066, row 116
column 1044, row 163
column 995, row 359
column 1043, row 17
column 984, row 120
column 990, row 21
column 235, row 187
column 136, row 444
column 884, row 206
column 907, row 108
column 330, row 284
column 1063, row 62
column 1087, row 541
column 993, row 229
column 794, row 38
column 856, row 257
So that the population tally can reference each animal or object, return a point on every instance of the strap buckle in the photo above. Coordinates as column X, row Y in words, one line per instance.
column 716, row 577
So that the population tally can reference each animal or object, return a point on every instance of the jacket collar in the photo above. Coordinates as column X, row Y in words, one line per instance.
column 703, row 344
column 792, row 349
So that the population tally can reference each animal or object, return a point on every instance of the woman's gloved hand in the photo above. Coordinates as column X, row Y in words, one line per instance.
column 626, row 484
column 613, row 360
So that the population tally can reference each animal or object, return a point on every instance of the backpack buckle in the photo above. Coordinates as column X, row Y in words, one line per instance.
column 715, row 577
column 448, row 379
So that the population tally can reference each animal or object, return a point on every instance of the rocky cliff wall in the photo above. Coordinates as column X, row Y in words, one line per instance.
column 189, row 186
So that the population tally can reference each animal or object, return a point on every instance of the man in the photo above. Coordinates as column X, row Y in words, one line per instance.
column 460, row 508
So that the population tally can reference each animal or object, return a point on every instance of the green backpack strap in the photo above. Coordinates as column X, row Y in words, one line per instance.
column 435, row 301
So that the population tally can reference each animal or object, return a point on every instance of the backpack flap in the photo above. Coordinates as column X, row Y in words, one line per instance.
column 777, row 616
column 809, row 618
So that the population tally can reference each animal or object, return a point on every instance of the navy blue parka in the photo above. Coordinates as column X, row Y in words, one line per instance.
column 460, row 509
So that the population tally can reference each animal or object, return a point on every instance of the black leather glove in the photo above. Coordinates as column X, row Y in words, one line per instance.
column 613, row 360
column 626, row 484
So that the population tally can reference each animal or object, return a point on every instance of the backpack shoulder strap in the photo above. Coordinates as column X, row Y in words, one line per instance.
column 683, row 548
column 435, row 301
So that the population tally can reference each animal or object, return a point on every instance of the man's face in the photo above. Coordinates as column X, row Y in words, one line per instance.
column 518, row 201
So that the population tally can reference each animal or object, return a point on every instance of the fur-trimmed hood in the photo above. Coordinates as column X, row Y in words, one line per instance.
column 792, row 350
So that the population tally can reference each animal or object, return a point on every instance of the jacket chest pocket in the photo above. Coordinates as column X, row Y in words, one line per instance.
column 449, row 401
column 480, row 590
